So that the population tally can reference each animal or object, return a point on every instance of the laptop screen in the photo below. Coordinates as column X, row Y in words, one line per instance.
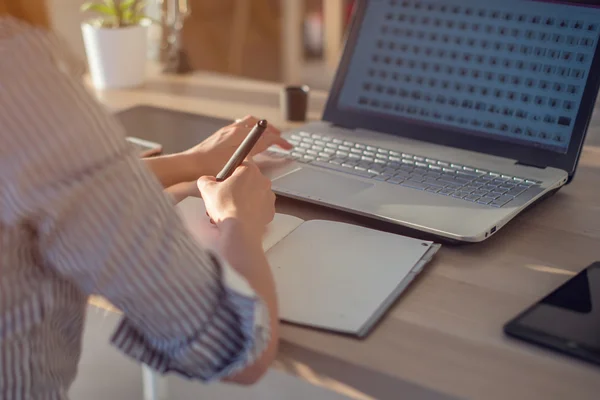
column 511, row 70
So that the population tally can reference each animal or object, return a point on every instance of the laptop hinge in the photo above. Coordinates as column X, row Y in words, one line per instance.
column 527, row 164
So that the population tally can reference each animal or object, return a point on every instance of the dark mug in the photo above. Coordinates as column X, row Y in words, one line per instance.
column 294, row 102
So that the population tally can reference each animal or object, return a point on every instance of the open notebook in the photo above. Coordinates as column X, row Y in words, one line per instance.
column 329, row 275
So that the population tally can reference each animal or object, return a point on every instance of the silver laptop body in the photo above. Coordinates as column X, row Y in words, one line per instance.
column 449, row 116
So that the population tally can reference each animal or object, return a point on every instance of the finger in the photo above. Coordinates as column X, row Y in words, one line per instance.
column 205, row 181
column 248, row 120
column 269, row 140
column 281, row 142
column 272, row 129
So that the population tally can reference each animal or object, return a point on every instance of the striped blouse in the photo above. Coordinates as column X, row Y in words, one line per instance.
column 80, row 215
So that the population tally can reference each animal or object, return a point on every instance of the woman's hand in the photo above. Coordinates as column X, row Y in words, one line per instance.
column 245, row 197
column 214, row 152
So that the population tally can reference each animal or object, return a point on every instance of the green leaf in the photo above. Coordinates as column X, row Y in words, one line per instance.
column 127, row 4
column 101, row 8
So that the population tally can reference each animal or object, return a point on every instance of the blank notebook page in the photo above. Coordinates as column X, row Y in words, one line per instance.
column 338, row 276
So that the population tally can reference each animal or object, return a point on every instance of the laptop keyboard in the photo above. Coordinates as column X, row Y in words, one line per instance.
column 409, row 170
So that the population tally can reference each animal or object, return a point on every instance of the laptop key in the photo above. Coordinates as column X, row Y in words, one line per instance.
column 472, row 197
column 489, row 197
column 381, row 178
column 446, row 191
column 506, row 187
column 415, row 185
column 448, row 180
column 515, row 192
column 354, row 156
column 504, row 199
column 462, row 182
column 498, row 204
column 453, row 186
column 461, row 194
column 468, row 173
column 433, row 189
column 485, row 201
column 343, row 168
column 415, row 178
column 404, row 174
column 396, row 180
column 433, row 182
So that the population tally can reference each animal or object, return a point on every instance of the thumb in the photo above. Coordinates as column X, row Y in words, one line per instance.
column 204, row 181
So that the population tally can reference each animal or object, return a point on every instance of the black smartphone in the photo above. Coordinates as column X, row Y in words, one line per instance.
column 567, row 320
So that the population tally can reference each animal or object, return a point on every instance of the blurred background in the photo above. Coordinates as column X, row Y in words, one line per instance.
column 289, row 41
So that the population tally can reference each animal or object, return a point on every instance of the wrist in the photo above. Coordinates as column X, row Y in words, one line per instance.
column 199, row 163
column 236, row 226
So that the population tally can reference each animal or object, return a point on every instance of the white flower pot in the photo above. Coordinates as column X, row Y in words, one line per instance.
column 116, row 56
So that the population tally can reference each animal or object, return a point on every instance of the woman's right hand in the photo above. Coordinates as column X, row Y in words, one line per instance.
column 245, row 196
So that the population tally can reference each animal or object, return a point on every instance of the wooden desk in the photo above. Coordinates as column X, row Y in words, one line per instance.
column 445, row 333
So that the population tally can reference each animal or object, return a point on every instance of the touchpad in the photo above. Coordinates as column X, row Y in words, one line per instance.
column 320, row 185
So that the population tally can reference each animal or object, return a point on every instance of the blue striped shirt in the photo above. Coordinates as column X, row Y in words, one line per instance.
column 80, row 215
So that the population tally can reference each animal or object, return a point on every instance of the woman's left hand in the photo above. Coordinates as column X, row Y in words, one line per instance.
column 214, row 152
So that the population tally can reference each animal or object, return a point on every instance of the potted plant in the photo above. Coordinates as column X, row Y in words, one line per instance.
column 116, row 43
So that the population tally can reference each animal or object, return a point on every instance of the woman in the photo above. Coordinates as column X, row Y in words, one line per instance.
column 80, row 214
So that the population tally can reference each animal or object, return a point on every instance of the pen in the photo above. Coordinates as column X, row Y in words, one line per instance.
column 242, row 151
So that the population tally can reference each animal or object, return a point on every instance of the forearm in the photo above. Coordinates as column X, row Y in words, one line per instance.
column 245, row 253
column 177, row 168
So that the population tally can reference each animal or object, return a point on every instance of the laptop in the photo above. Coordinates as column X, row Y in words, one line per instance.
column 450, row 116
